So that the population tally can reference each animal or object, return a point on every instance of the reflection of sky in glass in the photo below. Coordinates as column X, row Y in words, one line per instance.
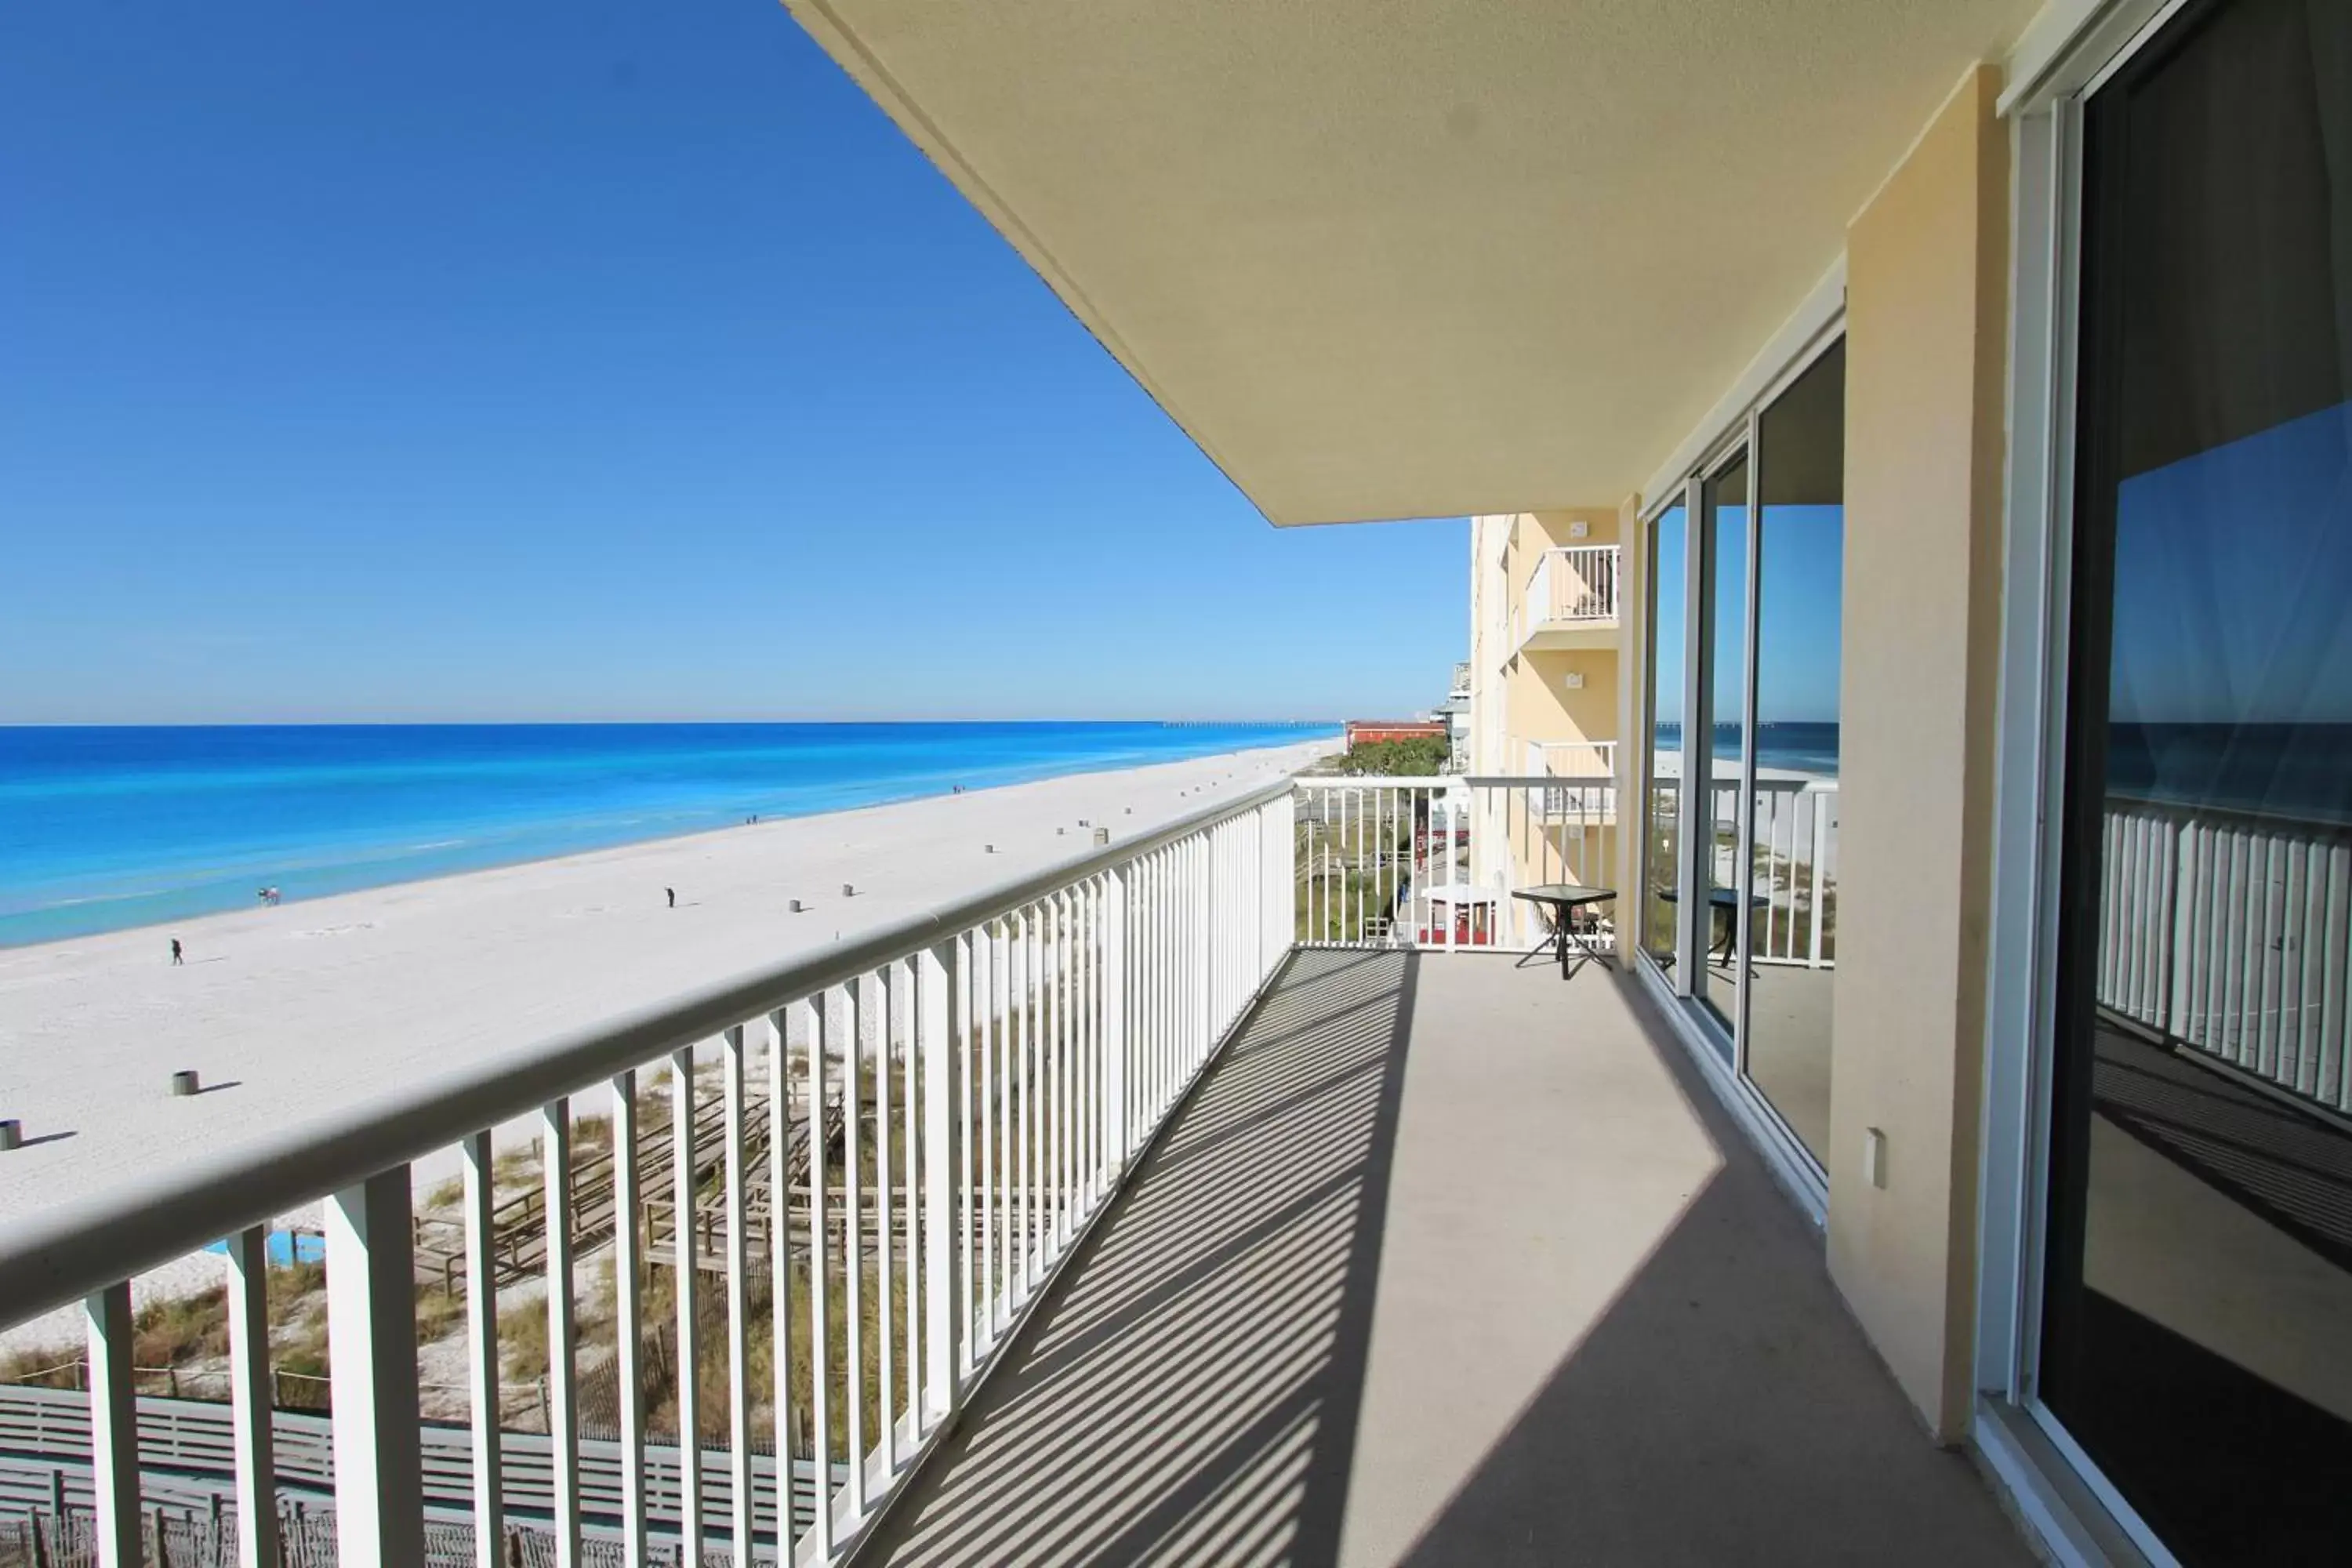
column 2233, row 581
column 1796, row 624
column 1730, row 651
column 1669, row 585
column 1797, row 615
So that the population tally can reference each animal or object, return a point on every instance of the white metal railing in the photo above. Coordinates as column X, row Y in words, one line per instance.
column 1461, row 687
column 1573, row 584
column 1431, row 863
column 2232, row 933
column 1572, row 759
column 1007, row 1059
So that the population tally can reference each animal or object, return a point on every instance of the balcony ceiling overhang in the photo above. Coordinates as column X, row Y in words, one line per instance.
column 1396, row 259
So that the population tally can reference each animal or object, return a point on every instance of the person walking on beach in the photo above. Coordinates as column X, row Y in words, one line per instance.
column 673, row 896
column 176, row 957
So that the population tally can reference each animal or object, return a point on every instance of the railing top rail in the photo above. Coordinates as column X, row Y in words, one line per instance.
column 2273, row 821
column 1451, row 781
column 56, row 1255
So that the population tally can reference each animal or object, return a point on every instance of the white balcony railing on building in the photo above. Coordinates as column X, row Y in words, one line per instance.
column 2231, row 934
column 999, row 1066
column 1431, row 863
column 1461, row 687
column 1572, row 759
column 1572, row 585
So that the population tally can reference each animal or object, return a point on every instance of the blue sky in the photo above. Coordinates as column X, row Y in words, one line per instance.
column 538, row 360
column 2233, row 569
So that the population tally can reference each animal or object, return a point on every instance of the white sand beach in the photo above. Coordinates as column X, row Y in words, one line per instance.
column 289, row 1012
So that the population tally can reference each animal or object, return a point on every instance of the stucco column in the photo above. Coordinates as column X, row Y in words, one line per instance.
column 1925, row 334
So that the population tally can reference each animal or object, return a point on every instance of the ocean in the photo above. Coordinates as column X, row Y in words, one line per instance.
column 1798, row 745
column 104, row 828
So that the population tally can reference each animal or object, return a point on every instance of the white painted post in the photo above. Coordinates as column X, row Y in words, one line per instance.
column 113, row 1428
column 739, row 1295
column 249, row 1401
column 853, row 1230
column 563, row 1387
column 885, row 1269
column 372, row 1325
column 628, row 1314
column 682, row 1184
column 820, row 1022
column 938, row 969
column 482, row 1353
column 780, row 1270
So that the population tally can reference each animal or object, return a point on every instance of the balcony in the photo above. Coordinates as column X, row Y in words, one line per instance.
column 1446, row 1262
column 1460, row 688
column 1225, row 1195
column 1570, row 601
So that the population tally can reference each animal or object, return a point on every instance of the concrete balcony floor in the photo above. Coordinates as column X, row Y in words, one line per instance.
column 1448, row 1262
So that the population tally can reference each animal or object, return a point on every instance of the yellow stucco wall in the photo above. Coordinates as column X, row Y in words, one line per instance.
column 1925, row 326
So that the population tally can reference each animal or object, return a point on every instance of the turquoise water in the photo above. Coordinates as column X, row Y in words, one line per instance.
column 103, row 828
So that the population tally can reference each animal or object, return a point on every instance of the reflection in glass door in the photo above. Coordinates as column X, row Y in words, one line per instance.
column 1717, row 735
column 2197, row 1296
column 1791, row 866
column 1669, row 587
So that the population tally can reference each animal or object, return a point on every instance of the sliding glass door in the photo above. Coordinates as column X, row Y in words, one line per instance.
column 1718, row 733
column 2196, row 1336
column 1661, row 837
column 1740, row 868
column 1790, row 868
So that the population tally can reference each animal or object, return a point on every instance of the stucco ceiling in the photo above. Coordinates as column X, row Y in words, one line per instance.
column 1420, row 258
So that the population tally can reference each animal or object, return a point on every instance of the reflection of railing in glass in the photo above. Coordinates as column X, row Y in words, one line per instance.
column 2231, row 932
column 1795, row 859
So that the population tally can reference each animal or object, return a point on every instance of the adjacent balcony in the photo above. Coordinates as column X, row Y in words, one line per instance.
column 1571, row 600
column 1241, row 1194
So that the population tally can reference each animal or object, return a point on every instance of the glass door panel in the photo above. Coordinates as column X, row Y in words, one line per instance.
column 1669, row 590
column 1792, row 870
column 1718, row 736
column 2198, row 1281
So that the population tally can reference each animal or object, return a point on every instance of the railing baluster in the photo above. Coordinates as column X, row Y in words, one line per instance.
column 113, row 1429
column 480, row 1198
column 821, row 1030
column 853, row 1246
column 628, row 1323
column 250, row 1406
column 960, row 1026
column 885, row 1247
column 998, row 1281
column 372, row 1325
column 562, row 1385
column 1025, row 1192
column 780, row 1268
column 1115, row 1022
column 1065, row 1059
column 682, row 1228
column 918, row 1205
column 985, row 1200
column 944, row 1346
column 735, row 1093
